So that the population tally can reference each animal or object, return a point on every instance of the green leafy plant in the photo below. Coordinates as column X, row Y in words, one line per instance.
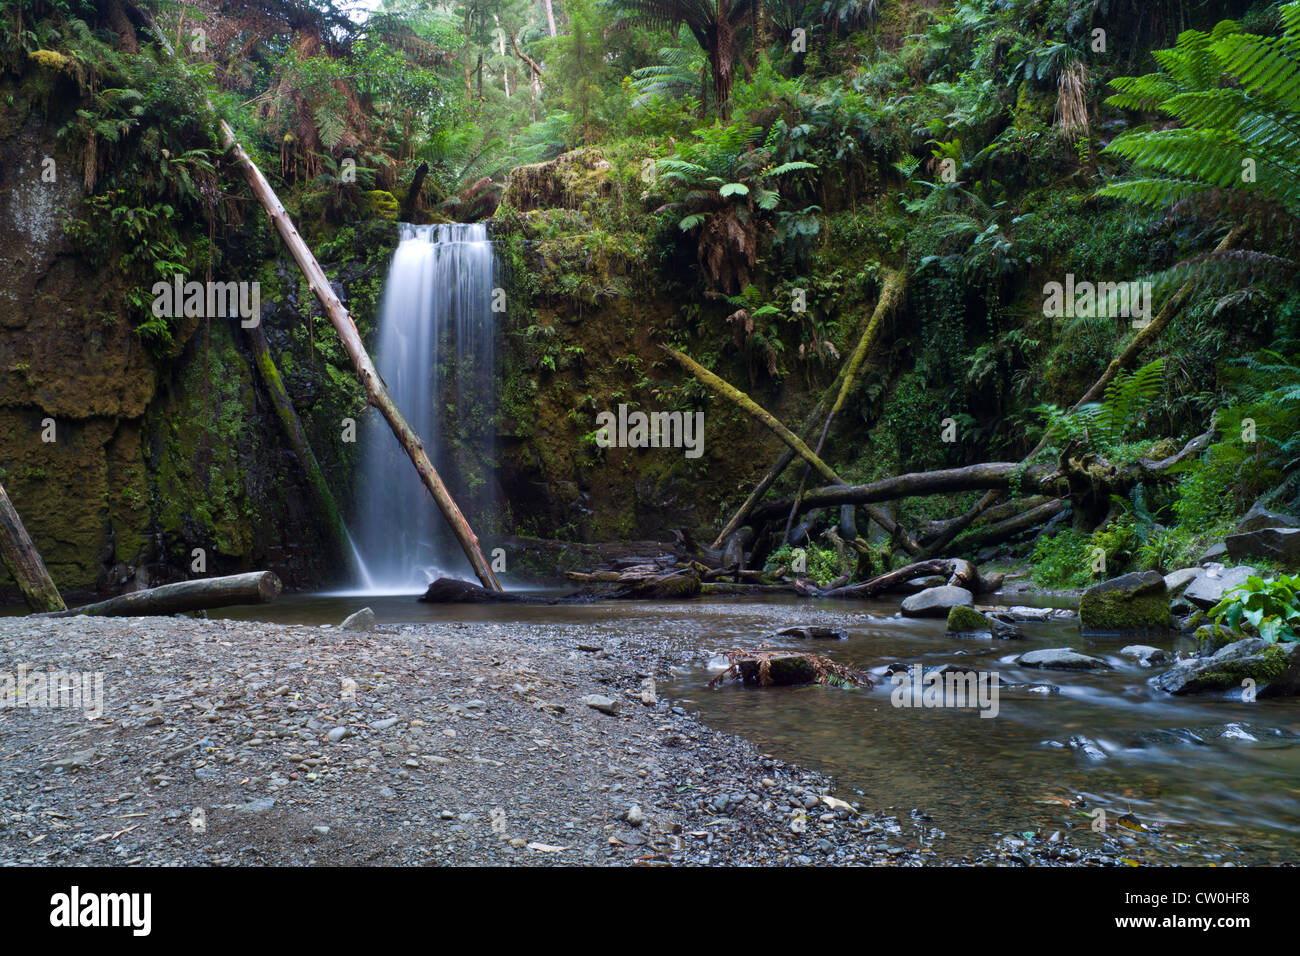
column 1270, row 605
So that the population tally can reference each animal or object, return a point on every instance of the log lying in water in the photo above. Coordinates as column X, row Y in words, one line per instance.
column 961, row 573
column 256, row 587
column 24, row 561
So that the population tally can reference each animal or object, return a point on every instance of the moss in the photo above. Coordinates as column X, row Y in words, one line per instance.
column 50, row 59
column 962, row 619
column 1270, row 665
column 1119, row 611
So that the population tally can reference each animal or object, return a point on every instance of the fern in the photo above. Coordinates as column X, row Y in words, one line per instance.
column 1237, row 99
column 1105, row 424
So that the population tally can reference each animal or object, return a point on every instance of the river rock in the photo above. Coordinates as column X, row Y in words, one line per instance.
column 1214, row 554
column 965, row 621
column 363, row 620
column 1134, row 603
column 1274, row 668
column 812, row 633
column 1177, row 581
column 1145, row 654
column 1259, row 517
column 936, row 602
column 1276, row 544
column 1086, row 747
column 600, row 702
column 1062, row 658
column 1206, row 590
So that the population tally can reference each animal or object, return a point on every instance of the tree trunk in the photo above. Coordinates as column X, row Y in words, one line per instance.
column 993, row 475
column 550, row 16
column 24, row 561
column 337, row 531
column 890, row 293
column 407, row 212
column 376, row 391
column 256, row 587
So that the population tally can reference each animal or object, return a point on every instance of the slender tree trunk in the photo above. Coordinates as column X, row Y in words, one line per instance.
column 24, row 561
column 890, row 293
column 550, row 16
column 293, row 431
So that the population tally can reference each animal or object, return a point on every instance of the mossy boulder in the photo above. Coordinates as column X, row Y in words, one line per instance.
column 1136, row 603
column 565, row 182
column 1274, row 670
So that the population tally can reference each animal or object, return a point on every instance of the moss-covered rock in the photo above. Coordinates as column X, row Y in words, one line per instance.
column 1271, row 670
column 1135, row 603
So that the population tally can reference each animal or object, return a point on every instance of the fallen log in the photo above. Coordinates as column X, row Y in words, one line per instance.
column 930, row 530
column 724, row 588
column 255, row 587
column 961, row 573
column 997, row 475
column 24, row 562
column 998, row 531
column 776, row 668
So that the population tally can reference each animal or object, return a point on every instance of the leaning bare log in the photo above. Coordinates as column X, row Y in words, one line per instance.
column 24, row 561
column 255, row 587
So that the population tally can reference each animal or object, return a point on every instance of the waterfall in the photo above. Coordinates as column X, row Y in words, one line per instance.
column 436, row 352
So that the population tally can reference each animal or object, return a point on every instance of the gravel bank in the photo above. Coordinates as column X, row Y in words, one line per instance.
column 235, row 743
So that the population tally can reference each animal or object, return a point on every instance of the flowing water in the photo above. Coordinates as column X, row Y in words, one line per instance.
column 436, row 353
column 1233, row 796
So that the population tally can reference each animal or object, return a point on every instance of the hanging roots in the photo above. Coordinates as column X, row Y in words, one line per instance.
column 776, row 668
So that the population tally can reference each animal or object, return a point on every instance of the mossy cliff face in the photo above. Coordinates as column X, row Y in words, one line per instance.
column 581, row 337
column 156, row 454
column 68, row 372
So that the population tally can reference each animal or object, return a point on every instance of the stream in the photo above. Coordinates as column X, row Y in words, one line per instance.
column 1203, row 780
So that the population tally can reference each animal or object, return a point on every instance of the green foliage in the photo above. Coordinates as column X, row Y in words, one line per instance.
column 1270, row 605
column 1063, row 560
column 1237, row 99
column 823, row 564
column 1106, row 424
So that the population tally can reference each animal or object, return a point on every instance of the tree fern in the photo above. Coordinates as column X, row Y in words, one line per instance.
column 1236, row 97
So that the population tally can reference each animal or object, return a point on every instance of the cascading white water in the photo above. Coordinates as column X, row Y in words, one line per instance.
column 436, row 352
